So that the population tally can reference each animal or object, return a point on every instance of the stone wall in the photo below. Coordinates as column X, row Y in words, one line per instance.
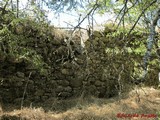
column 88, row 72
column 62, row 69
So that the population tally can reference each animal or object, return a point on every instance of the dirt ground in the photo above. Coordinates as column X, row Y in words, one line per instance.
column 139, row 104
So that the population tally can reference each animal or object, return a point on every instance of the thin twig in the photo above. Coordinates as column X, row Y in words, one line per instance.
column 77, row 26
column 125, row 9
column 93, row 9
column 25, row 89
column 72, row 26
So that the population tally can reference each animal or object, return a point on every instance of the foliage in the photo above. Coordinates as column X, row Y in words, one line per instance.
column 15, row 38
column 61, row 6
column 121, row 49
column 132, row 16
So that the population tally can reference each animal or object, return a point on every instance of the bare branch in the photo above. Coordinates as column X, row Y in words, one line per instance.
column 93, row 9
column 96, row 5
column 125, row 11
column 143, row 11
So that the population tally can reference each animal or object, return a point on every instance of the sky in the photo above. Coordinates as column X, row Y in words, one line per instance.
column 61, row 20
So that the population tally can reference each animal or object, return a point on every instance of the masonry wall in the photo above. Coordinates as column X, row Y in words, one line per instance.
column 64, row 69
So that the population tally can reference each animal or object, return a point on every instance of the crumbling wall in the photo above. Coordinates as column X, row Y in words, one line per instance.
column 37, row 63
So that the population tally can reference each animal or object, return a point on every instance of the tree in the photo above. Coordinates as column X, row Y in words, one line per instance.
column 144, row 13
column 60, row 5
column 137, row 12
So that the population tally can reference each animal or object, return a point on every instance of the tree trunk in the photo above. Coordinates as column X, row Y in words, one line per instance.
column 17, row 8
column 150, row 42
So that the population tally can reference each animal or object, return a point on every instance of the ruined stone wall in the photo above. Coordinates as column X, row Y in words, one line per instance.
column 57, row 78
column 87, row 72
column 62, row 69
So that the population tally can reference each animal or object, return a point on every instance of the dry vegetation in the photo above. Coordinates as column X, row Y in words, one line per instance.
column 138, row 101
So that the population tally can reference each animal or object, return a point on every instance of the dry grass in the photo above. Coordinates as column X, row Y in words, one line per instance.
column 28, row 114
column 138, row 101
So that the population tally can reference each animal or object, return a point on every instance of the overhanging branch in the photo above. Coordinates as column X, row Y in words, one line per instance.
column 143, row 11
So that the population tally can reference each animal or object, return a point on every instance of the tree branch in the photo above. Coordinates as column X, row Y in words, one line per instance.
column 93, row 9
column 143, row 11
column 125, row 9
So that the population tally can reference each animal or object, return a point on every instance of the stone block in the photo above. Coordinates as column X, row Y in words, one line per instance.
column 68, row 89
column 76, row 83
column 39, row 93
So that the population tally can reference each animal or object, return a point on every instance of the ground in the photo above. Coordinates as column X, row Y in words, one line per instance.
column 139, row 104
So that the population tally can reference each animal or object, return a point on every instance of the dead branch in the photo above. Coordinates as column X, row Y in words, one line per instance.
column 96, row 5
column 92, row 10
